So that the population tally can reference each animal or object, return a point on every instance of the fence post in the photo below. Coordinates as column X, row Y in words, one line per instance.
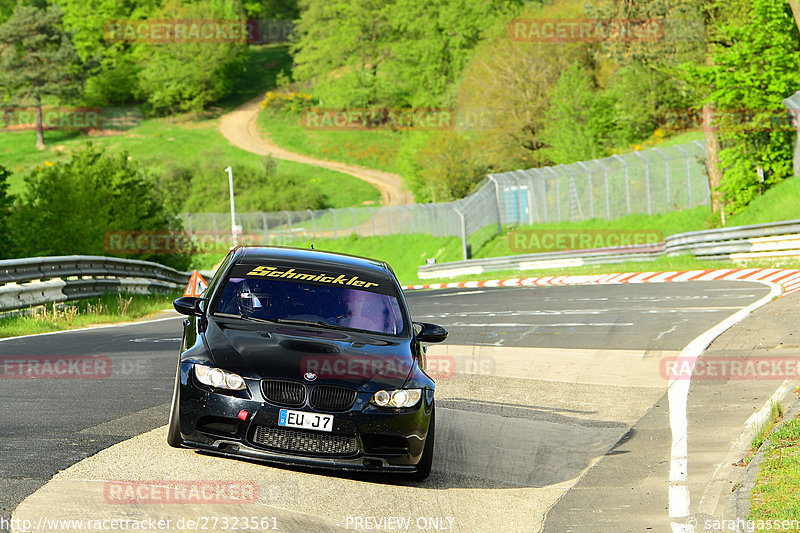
column 591, row 189
column 530, row 198
column 703, row 149
column 463, row 233
column 605, row 181
column 497, row 195
column 558, row 192
column 214, row 223
column 543, row 182
column 264, row 226
column 335, row 224
column 687, row 157
column 313, row 224
column 288, row 220
column 355, row 223
column 627, row 184
column 666, row 173
column 646, row 177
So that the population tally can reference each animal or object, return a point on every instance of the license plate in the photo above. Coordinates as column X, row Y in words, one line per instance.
column 302, row 419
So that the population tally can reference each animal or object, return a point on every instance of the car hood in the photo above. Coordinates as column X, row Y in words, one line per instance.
column 285, row 351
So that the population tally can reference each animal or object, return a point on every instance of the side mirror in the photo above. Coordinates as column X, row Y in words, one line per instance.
column 190, row 305
column 430, row 332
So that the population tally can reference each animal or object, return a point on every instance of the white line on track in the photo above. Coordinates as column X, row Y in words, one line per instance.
column 678, row 395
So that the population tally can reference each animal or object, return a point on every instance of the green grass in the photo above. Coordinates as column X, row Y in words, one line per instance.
column 682, row 138
column 781, row 202
column 775, row 494
column 187, row 140
column 775, row 414
column 108, row 309
column 403, row 252
column 158, row 142
column 667, row 224
column 372, row 149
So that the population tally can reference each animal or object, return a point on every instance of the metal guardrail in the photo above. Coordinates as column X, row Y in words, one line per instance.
column 42, row 280
column 774, row 239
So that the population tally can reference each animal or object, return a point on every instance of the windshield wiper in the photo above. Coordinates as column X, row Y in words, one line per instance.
column 245, row 317
column 318, row 323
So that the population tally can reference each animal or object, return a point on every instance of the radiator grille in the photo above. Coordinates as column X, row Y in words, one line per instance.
column 287, row 393
column 297, row 440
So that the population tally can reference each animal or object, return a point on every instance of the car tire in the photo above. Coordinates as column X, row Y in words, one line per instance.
column 174, row 430
column 426, row 461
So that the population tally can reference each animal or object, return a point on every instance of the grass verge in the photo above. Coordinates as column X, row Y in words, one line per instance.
column 775, row 494
column 107, row 309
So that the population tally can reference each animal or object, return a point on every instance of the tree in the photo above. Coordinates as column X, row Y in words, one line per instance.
column 433, row 40
column 187, row 76
column 754, row 66
column 271, row 9
column 578, row 121
column 111, row 79
column 395, row 53
column 449, row 166
column 688, row 28
column 507, row 86
column 342, row 46
column 38, row 60
column 7, row 247
column 69, row 207
column 6, row 9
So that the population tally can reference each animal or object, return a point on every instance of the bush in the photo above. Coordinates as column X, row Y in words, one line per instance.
column 255, row 189
column 67, row 208
column 449, row 166
column 187, row 76
column 579, row 120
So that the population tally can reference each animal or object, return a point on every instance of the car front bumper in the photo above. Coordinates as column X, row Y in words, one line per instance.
column 363, row 438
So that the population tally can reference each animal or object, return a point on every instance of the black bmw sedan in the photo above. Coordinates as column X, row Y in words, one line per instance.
column 305, row 357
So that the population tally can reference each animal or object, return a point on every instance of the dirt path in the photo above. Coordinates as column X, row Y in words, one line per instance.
column 241, row 129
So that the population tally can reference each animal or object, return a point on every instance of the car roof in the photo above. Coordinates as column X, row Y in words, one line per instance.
column 258, row 254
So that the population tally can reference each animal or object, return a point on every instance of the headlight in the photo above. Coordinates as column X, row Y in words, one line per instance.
column 397, row 398
column 220, row 379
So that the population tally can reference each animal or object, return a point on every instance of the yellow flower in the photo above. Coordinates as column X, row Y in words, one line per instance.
column 48, row 163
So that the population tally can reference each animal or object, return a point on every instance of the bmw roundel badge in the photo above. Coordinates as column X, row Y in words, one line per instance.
column 310, row 376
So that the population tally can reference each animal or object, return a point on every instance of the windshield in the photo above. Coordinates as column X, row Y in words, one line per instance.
column 322, row 305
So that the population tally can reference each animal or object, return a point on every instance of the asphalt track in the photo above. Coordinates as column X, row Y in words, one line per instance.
column 548, row 381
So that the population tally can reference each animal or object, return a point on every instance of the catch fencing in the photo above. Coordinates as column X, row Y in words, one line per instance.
column 642, row 182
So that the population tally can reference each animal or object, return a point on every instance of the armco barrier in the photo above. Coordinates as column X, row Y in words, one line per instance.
column 774, row 239
column 42, row 280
